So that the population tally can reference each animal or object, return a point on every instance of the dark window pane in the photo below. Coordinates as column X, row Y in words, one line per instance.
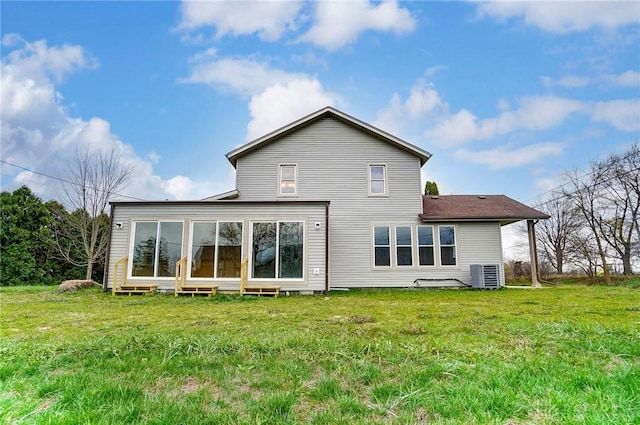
column 447, row 235
column 144, row 249
column 264, row 250
column 169, row 248
column 426, row 256
column 383, row 256
column 290, row 250
column 425, row 235
column 448, row 256
column 381, row 235
column 404, row 256
column 403, row 236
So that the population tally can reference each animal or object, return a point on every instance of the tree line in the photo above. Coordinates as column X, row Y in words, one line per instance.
column 49, row 242
column 595, row 218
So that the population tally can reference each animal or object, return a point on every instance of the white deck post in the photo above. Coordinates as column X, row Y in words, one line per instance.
column 533, row 253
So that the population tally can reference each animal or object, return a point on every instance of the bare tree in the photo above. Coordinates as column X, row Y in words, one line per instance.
column 554, row 234
column 585, row 193
column 620, row 230
column 92, row 179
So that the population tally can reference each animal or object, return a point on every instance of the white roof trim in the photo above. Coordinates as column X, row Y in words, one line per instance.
column 222, row 196
column 239, row 151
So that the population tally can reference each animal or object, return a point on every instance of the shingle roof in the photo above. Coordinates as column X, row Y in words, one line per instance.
column 477, row 208
column 321, row 113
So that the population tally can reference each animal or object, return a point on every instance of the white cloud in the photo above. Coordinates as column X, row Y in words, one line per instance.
column 281, row 104
column 534, row 113
column 39, row 134
column 622, row 114
column 37, row 57
column 564, row 16
column 503, row 157
column 568, row 81
column 340, row 23
column 422, row 100
column 626, row 79
column 241, row 75
column 268, row 19
column 180, row 187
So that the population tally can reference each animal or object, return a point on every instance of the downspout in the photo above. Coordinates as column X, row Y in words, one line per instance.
column 326, row 250
column 533, row 253
column 105, row 277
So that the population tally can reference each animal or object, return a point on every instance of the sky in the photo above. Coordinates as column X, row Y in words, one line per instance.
column 507, row 96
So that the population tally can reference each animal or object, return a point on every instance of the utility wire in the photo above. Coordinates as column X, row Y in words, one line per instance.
column 61, row 179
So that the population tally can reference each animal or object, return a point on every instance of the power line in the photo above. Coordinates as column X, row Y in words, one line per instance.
column 62, row 180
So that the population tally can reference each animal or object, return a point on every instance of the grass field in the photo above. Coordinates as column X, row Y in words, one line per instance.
column 563, row 355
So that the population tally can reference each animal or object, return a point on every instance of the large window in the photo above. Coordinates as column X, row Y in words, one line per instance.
column 377, row 180
column 229, row 249
column 203, row 249
column 425, row 246
column 278, row 250
column 216, row 246
column 382, row 247
column 288, row 178
column 447, row 245
column 157, row 247
column 404, row 251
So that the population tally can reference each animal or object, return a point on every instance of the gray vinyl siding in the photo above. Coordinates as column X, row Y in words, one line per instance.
column 309, row 213
column 332, row 161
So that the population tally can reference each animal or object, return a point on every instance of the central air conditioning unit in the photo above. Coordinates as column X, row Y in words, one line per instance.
column 485, row 276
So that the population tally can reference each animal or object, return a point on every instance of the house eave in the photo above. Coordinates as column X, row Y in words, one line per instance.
column 502, row 220
column 327, row 111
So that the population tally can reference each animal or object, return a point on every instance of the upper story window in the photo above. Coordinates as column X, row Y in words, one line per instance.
column 288, row 179
column 377, row 180
column 447, row 245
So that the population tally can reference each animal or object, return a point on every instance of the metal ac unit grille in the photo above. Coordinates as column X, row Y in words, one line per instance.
column 486, row 276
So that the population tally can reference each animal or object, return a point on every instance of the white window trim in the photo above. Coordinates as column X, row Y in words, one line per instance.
column 396, row 246
column 455, row 247
column 277, row 251
column 295, row 179
column 132, row 237
column 434, row 246
column 385, row 179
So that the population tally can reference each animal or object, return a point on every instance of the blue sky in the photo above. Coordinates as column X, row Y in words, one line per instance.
column 506, row 95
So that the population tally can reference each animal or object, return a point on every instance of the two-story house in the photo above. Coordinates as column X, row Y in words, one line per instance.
column 325, row 202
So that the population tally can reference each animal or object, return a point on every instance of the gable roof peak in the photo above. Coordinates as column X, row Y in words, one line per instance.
column 319, row 114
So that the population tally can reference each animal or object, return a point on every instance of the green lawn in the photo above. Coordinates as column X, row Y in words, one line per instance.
column 563, row 355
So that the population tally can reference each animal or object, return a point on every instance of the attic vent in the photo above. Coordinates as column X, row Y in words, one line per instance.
column 485, row 276
column 482, row 197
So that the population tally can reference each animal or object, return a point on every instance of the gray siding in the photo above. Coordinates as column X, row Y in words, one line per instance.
column 332, row 160
column 310, row 213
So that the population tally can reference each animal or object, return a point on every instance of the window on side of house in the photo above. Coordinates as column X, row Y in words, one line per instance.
column 278, row 250
column 381, row 246
column 377, row 180
column 288, row 180
column 425, row 246
column 229, row 249
column 203, row 248
column 404, row 246
column 447, row 235
column 157, row 247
